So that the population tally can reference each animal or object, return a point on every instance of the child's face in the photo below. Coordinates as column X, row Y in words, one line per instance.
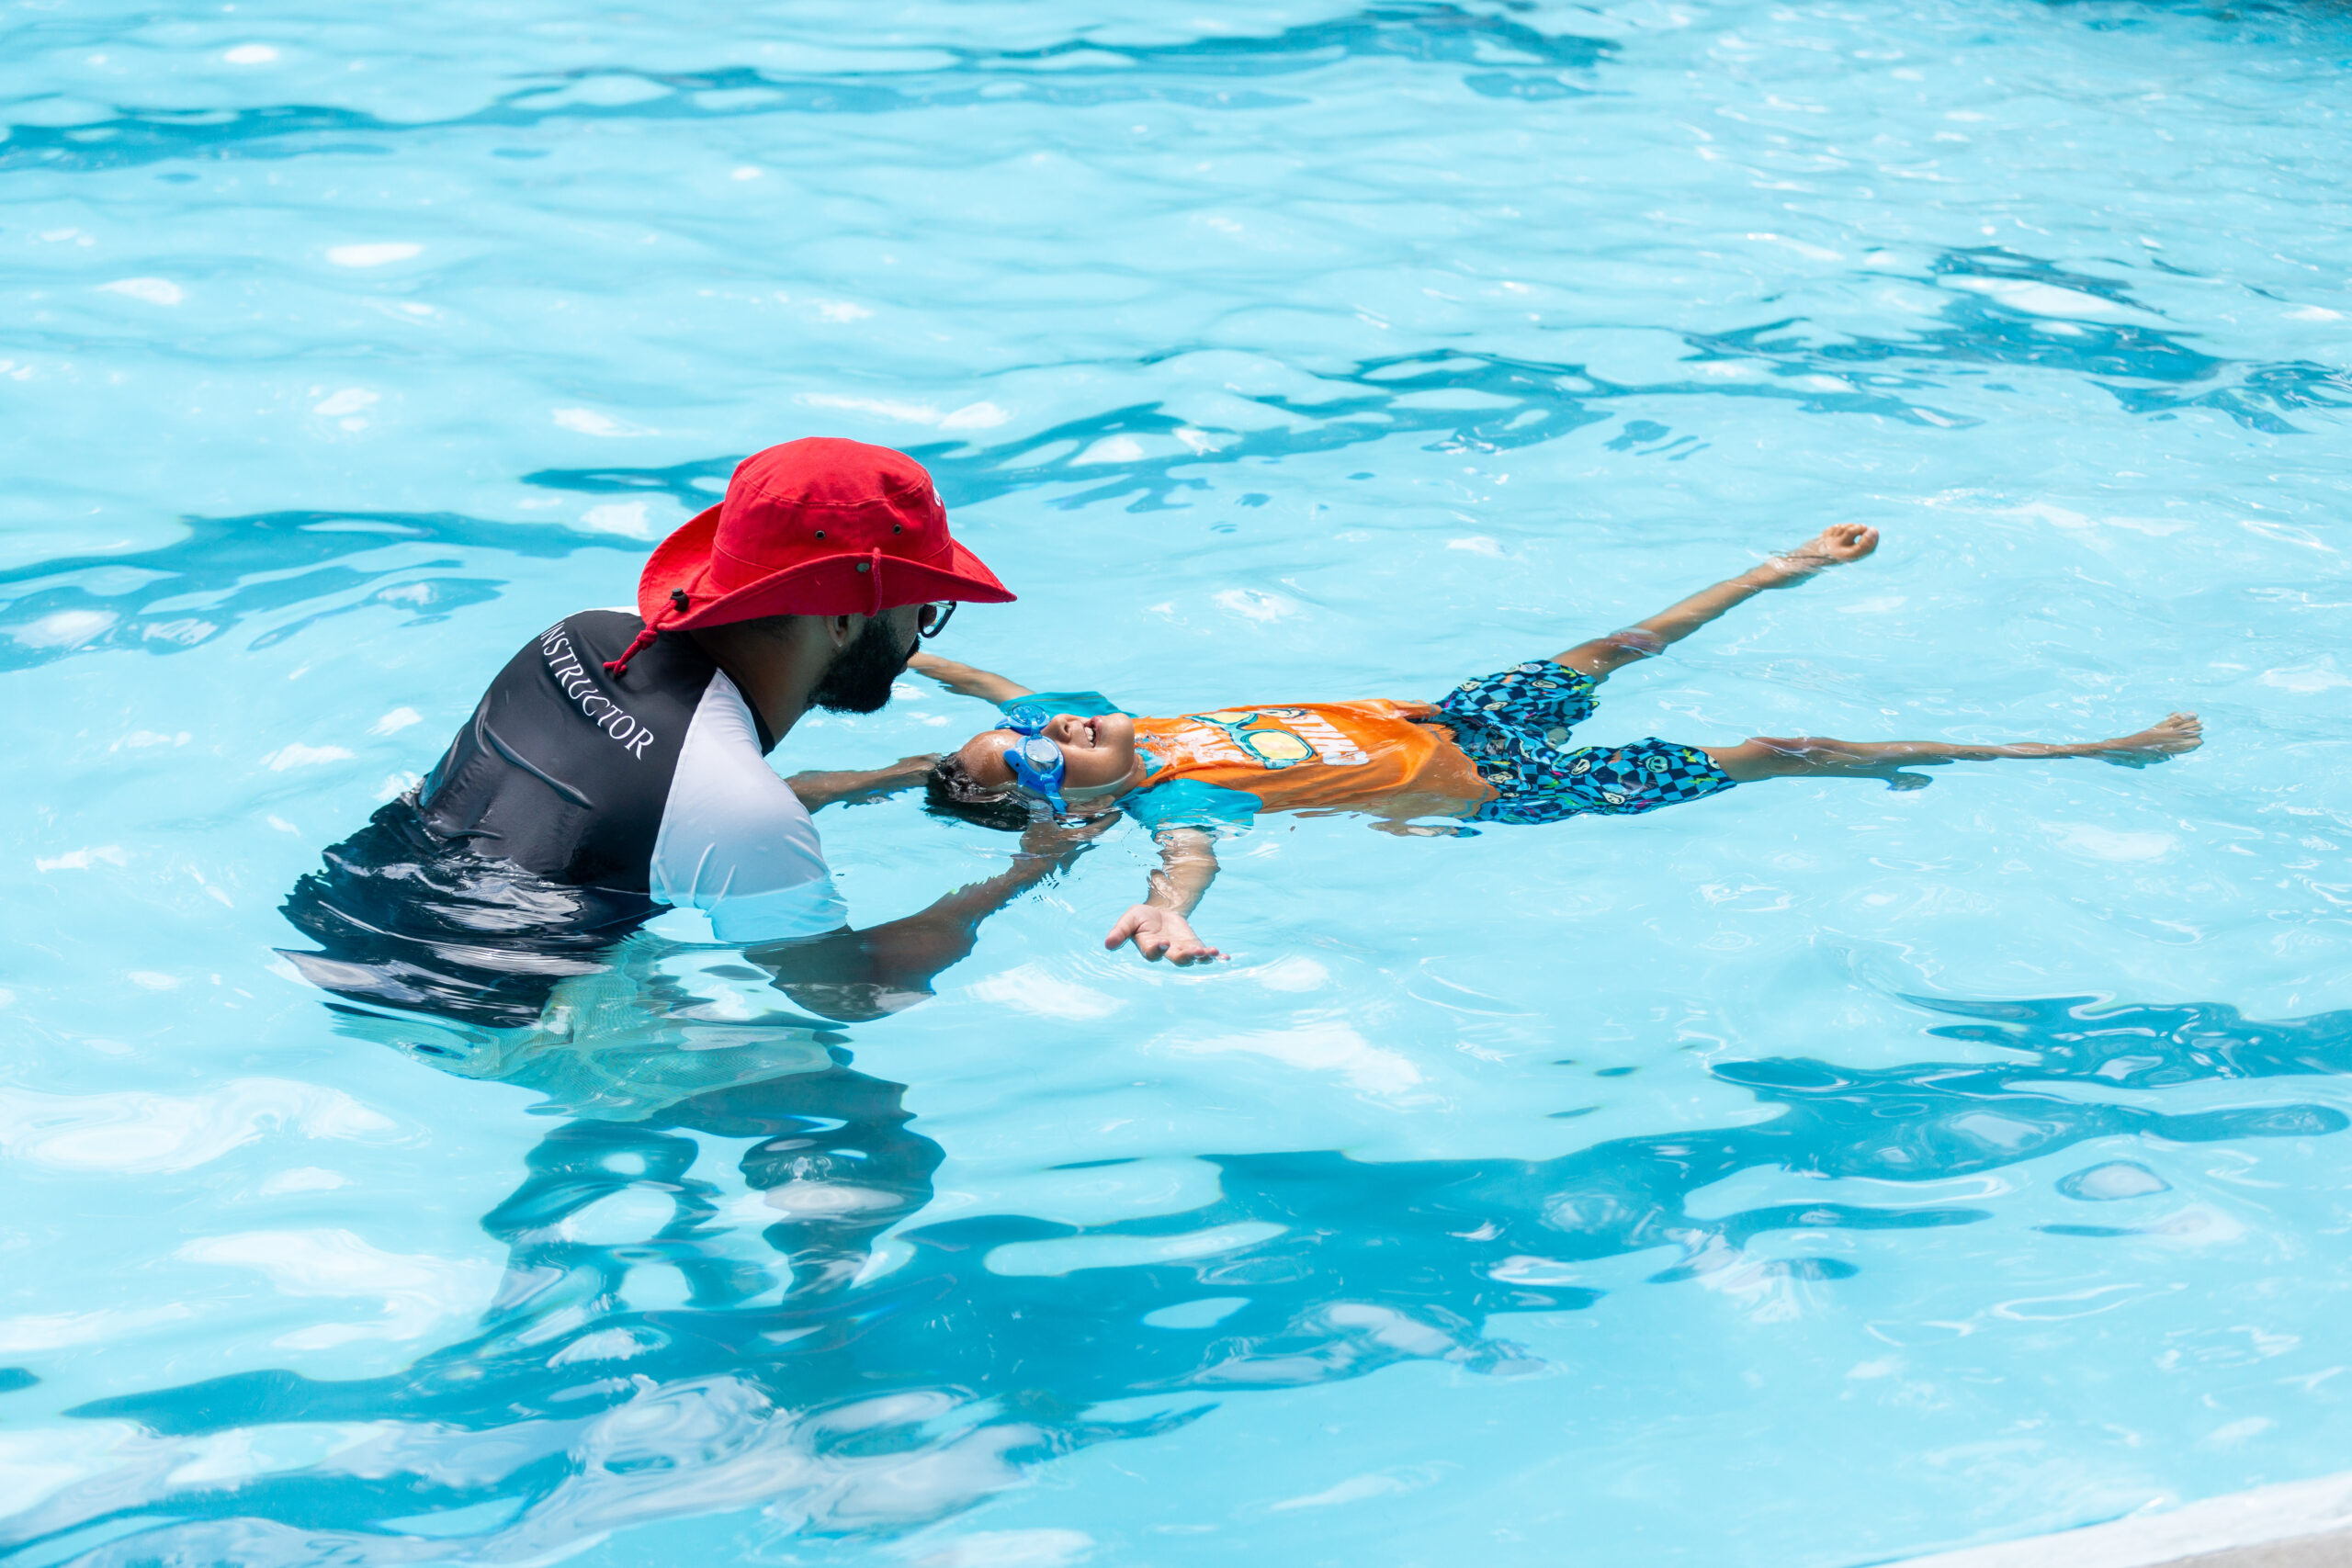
column 1098, row 753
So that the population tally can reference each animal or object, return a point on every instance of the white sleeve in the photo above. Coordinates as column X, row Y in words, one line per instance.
column 735, row 842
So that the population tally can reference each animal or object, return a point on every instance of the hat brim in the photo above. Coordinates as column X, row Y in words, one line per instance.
column 844, row 584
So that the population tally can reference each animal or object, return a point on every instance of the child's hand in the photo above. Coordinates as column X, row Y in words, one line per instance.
column 1160, row 934
column 1841, row 544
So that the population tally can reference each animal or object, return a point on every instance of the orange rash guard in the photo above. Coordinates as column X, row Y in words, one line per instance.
column 1362, row 756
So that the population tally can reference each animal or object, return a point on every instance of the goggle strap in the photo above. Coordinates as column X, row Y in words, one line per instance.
column 1039, row 770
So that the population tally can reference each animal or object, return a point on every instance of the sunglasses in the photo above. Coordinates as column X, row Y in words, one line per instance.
column 934, row 618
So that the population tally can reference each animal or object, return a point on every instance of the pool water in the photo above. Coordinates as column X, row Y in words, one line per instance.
column 1814, row 1175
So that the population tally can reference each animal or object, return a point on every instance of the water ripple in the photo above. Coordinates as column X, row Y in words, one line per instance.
column 223, row 570
column 891, row 1384
column 226, row 569
column 1072, row 72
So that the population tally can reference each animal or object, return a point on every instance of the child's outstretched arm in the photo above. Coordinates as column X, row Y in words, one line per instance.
column 818, row 790
column 1158, row 926
column 1834, row 546
column 967, row 680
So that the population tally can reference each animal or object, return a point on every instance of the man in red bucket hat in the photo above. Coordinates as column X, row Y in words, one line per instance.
column 829, row 533
column 617, row 765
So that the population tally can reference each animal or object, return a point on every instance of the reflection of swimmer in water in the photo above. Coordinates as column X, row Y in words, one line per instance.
column 906, row 1366
column 639, row 1025
column 581, row 1012
column 1493, row 750
column 829, row 1149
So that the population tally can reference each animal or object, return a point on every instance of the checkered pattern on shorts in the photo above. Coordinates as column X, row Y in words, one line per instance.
column 1514, row 726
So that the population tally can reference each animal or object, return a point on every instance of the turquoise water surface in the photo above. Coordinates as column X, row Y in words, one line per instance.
column 1810, row 1175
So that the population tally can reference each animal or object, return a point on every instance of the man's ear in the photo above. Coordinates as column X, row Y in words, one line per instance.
column 843, row 629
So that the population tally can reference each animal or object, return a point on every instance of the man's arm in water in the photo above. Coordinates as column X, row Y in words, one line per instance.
column 1158, row 926
column 856, row 786
column 967, row 680
column 857, row 975
column 1836, row 544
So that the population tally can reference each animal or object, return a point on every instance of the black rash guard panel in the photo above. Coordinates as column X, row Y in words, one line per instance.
column 572, row 806
column 560, row 771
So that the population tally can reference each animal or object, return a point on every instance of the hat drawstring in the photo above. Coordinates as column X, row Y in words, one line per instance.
column 644, row 640
column 874, row 570
column 637, row 645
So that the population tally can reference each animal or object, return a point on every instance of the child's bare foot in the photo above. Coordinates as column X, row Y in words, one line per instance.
column 1838, row 545
column 2175, row 734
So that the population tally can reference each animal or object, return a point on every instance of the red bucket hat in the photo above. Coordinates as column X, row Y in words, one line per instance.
column 819, row 526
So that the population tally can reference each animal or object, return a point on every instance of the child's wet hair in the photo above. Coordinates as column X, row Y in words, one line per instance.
column 950, row 790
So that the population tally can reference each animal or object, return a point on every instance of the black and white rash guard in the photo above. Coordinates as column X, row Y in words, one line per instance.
column 655, row 782
column 570, row 809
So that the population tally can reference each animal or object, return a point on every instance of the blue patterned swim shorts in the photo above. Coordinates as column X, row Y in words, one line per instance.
column 1514, row 725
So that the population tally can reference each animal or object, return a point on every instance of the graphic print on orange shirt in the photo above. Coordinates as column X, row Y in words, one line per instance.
column 1306, row 756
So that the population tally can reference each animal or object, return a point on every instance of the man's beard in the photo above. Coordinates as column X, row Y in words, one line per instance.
column 859, row 678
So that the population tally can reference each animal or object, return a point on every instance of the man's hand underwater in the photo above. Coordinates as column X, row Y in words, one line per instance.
column 1160, row 934
column 1060, row 840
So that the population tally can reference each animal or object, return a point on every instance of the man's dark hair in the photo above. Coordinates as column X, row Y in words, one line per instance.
column 952, row 791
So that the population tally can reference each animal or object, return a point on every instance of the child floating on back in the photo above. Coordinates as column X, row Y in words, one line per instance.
column 1497, row 749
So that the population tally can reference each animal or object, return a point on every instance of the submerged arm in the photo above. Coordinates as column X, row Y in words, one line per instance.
column 967, row 680
column 1158, row 926
column 1834, row 546
column 855, row 787
column 855, row 975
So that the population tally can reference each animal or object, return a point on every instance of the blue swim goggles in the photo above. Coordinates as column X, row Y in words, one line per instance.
column 1037, row 764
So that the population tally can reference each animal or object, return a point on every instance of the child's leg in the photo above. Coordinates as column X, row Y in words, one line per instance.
column 1834, row 546
column 1767, row 757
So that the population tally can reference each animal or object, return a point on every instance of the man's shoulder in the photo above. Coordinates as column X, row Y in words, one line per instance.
column 674, row 666
column 583, row 632
column 596, row 627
